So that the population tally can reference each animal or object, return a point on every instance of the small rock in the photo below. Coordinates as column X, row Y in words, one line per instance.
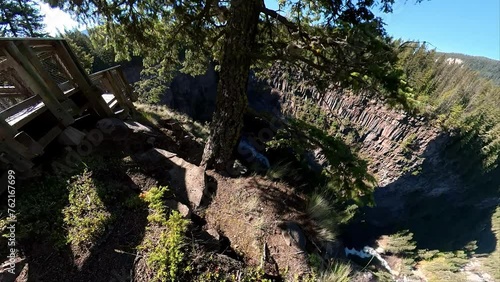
column 137, row 127
column 180, row 207
column 71, row 137
column 214, row 234
column 187, row 180
column 294, row 234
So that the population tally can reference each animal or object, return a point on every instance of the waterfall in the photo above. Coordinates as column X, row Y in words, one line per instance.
column 369, row 252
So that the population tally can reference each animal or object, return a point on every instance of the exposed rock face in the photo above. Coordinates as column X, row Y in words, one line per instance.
column 420, row 170
column 194, row 96
column 428, row 182
column 391, row 139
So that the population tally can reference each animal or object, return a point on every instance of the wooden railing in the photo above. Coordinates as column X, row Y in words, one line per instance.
column 43, row 89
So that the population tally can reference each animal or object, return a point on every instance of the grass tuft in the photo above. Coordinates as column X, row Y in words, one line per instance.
column 337, row 272
column 279, row 171
column 319, row 209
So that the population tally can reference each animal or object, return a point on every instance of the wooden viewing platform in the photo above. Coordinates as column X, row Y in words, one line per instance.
column 44, row 89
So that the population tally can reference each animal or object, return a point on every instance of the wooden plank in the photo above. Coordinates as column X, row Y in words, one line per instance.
column 101, row 72
column 28, row 73
column 124, row 89
column 122, row 100
column 96, row 78
column 22, row 118
column 13, row 99
column 8, row 89
column 71, row 91
column 34, row 147
column 44, row 55
column 4, row 104
column 7, row 138
column 110, row 100
column 30, row 41
column 19, row 148
column 113, row 104
column 84, row 83
column 43, row 48
column 4, row 65
column 47, row 80
column 12, row 157
column 67, row 85
column 11, row 94
column 6, row 130
column 106, row 83
column 14, row 80
column 130, row 90
column 49, row 136
column 33, row 100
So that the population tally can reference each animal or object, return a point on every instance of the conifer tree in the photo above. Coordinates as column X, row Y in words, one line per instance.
column 340, row 43
column 21, row 18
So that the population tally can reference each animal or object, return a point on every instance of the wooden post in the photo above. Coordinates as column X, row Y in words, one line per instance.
column 124, row 87
column 11, row 156
column 46, row 78
column 78, row 74
column 6, row 130
column 117, row 92
column 129, row 89
column 14, row 152
column 29, row 74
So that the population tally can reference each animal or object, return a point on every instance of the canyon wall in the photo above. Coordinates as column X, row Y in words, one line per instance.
column 428, row 182
column 392, row 141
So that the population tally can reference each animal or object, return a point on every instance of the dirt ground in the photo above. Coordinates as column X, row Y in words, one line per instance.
column 245, row 212
column 250, row 211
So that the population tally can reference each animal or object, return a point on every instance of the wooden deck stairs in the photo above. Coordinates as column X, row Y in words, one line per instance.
column 43, row 90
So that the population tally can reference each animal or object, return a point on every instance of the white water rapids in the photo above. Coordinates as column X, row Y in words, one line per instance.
column 368, row 252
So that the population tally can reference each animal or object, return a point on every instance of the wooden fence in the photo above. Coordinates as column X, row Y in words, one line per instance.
column 44, row 89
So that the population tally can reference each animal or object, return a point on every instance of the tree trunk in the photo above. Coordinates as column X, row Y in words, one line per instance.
column 232, row 101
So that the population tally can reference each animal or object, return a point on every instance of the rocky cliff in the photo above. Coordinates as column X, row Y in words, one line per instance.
column 427, row 180
column 430, row 182
column 390, row 139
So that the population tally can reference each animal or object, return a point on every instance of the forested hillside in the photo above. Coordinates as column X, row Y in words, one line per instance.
column 486, row 67
column 456, row 97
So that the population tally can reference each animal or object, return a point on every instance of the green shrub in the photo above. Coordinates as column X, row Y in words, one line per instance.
column 165, row 256
column 86, row 216
column 401, row 244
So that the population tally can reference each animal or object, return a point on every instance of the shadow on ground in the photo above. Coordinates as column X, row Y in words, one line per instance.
column 118, row 177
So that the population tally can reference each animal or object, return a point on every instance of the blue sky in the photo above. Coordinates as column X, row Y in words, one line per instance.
column 463, row 26
column 460, row 26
